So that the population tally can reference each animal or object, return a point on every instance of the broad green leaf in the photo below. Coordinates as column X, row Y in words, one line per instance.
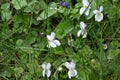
column 18, row 71
column 45, row 14
column 19, row 42
column 27, row 76
column 112, row 12
column 48, row 12
column 6, row 73
column 78, row 5
column 5, row 6
column 58, row 50
column 63, row 28
column 74, row 11
column 18, row 4
column 18, row 19
column 21, row 22
column 5, row 32
column 61, row 9
column 43, row 4
column 113, row 52
column 6, row 14
column 34, row 33
column 115, row 44
column 31, row 40
column 33, row 6
column 86, row 51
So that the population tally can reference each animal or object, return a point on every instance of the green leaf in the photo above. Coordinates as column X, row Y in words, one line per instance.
column 115, row 44
column 43, row 5
column 5, row 6
column 6, row 14
column 48, row 12
column 113, row 52
column 58, row 51
column 86, row 50
column 31, row 40
column 45, row 14
column 74, row 11
column 27, row 77
column 19, row 42
column 5, row 73
column 112, row 12
column 5, row 32
column 18, row 71
column 63, row 28
column 61, row 9
column 78, row 5
column 33, row 6
column 18, row 4
column 18, row 19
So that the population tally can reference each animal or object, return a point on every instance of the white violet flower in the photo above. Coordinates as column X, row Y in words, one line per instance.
column 86, row 8
column 105, row 46
column 70, row 40
column 72, row 71
column 46, row 69
column 83, row 31
column 51, row 40
column 98, row 14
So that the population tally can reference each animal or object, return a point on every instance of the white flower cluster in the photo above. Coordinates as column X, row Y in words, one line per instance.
column 86, row 9
column 52, row 42
column 69, row 65
column 82, row 32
